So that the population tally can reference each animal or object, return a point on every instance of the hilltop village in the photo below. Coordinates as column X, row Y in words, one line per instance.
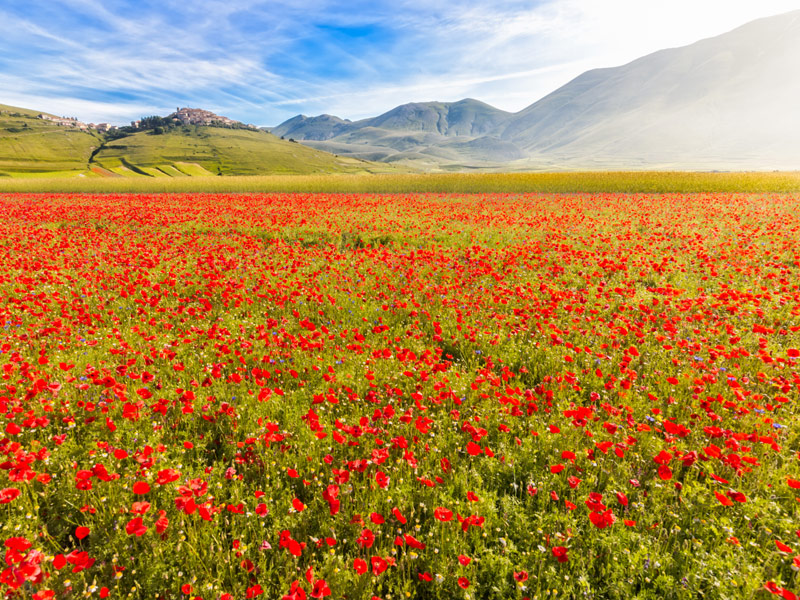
column 181, row 116
column 75, row 124
column 197, row 116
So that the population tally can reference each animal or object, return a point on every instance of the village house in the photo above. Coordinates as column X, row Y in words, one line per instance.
column 65, row 121
column 198, row 116
column 74, row 123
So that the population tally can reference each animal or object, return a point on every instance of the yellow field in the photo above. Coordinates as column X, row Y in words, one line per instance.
column 566, row 182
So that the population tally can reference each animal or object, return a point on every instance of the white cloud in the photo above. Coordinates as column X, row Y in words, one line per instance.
column 510, row 55
column 98, row 112
column 507, row 53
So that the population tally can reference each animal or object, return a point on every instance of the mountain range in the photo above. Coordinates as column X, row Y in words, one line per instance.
column 731, row 102
column 727, row 102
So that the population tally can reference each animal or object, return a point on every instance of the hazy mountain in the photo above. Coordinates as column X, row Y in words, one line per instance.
column 302, row 127
column 733, row 100
column 728, row 102
column 463, row 118
column 430, row 133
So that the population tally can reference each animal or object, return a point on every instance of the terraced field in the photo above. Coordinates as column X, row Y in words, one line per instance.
column 33, row 147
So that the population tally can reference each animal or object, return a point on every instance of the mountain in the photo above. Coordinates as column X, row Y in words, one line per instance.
column 727, row 102
column 425, row 133
column 731, row 101
column 33, row 143
column 301, row 127
column 463, row 118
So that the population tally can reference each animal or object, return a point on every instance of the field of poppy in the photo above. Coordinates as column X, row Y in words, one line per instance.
column 495, row 396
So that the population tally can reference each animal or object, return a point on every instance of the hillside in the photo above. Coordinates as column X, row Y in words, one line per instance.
column 727, row 102
column 199, row 150
column 29, row 145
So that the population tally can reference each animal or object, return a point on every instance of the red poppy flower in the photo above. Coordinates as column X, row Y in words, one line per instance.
column 724, row 500
column 442, row 514
column 560, row 552
column 366, row 539
column 360, row 566
column 378, row 565
column 135, row 527
column 8, row 494
column 737, row 496
column 141, row 488
column 783, row 547
column 474, row 449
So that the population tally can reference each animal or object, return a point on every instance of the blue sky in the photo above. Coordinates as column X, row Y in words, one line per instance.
column 263, row 62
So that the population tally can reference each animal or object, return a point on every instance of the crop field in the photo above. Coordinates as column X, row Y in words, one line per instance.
column 364, row 396
column 651, row 182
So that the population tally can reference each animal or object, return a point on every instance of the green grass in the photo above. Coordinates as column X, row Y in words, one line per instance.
column 191, row 169
column 32, row 146
column 585, row 182
column 198, row 151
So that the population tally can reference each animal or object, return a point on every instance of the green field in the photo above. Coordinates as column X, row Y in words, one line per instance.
column 203, row 151
column 37, row 156
column 33, row 147
column 578, row 182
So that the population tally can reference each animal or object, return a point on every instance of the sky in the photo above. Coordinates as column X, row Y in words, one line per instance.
column 264, row 62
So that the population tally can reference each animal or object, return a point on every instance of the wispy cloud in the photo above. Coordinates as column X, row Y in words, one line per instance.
column 263, row 61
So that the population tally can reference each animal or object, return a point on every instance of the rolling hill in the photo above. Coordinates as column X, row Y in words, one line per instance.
column 201, row 150
column 31, row 146
column 727, row 102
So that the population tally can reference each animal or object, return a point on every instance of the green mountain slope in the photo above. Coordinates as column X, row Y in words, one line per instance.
column 29, row 145
column 196, row 150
